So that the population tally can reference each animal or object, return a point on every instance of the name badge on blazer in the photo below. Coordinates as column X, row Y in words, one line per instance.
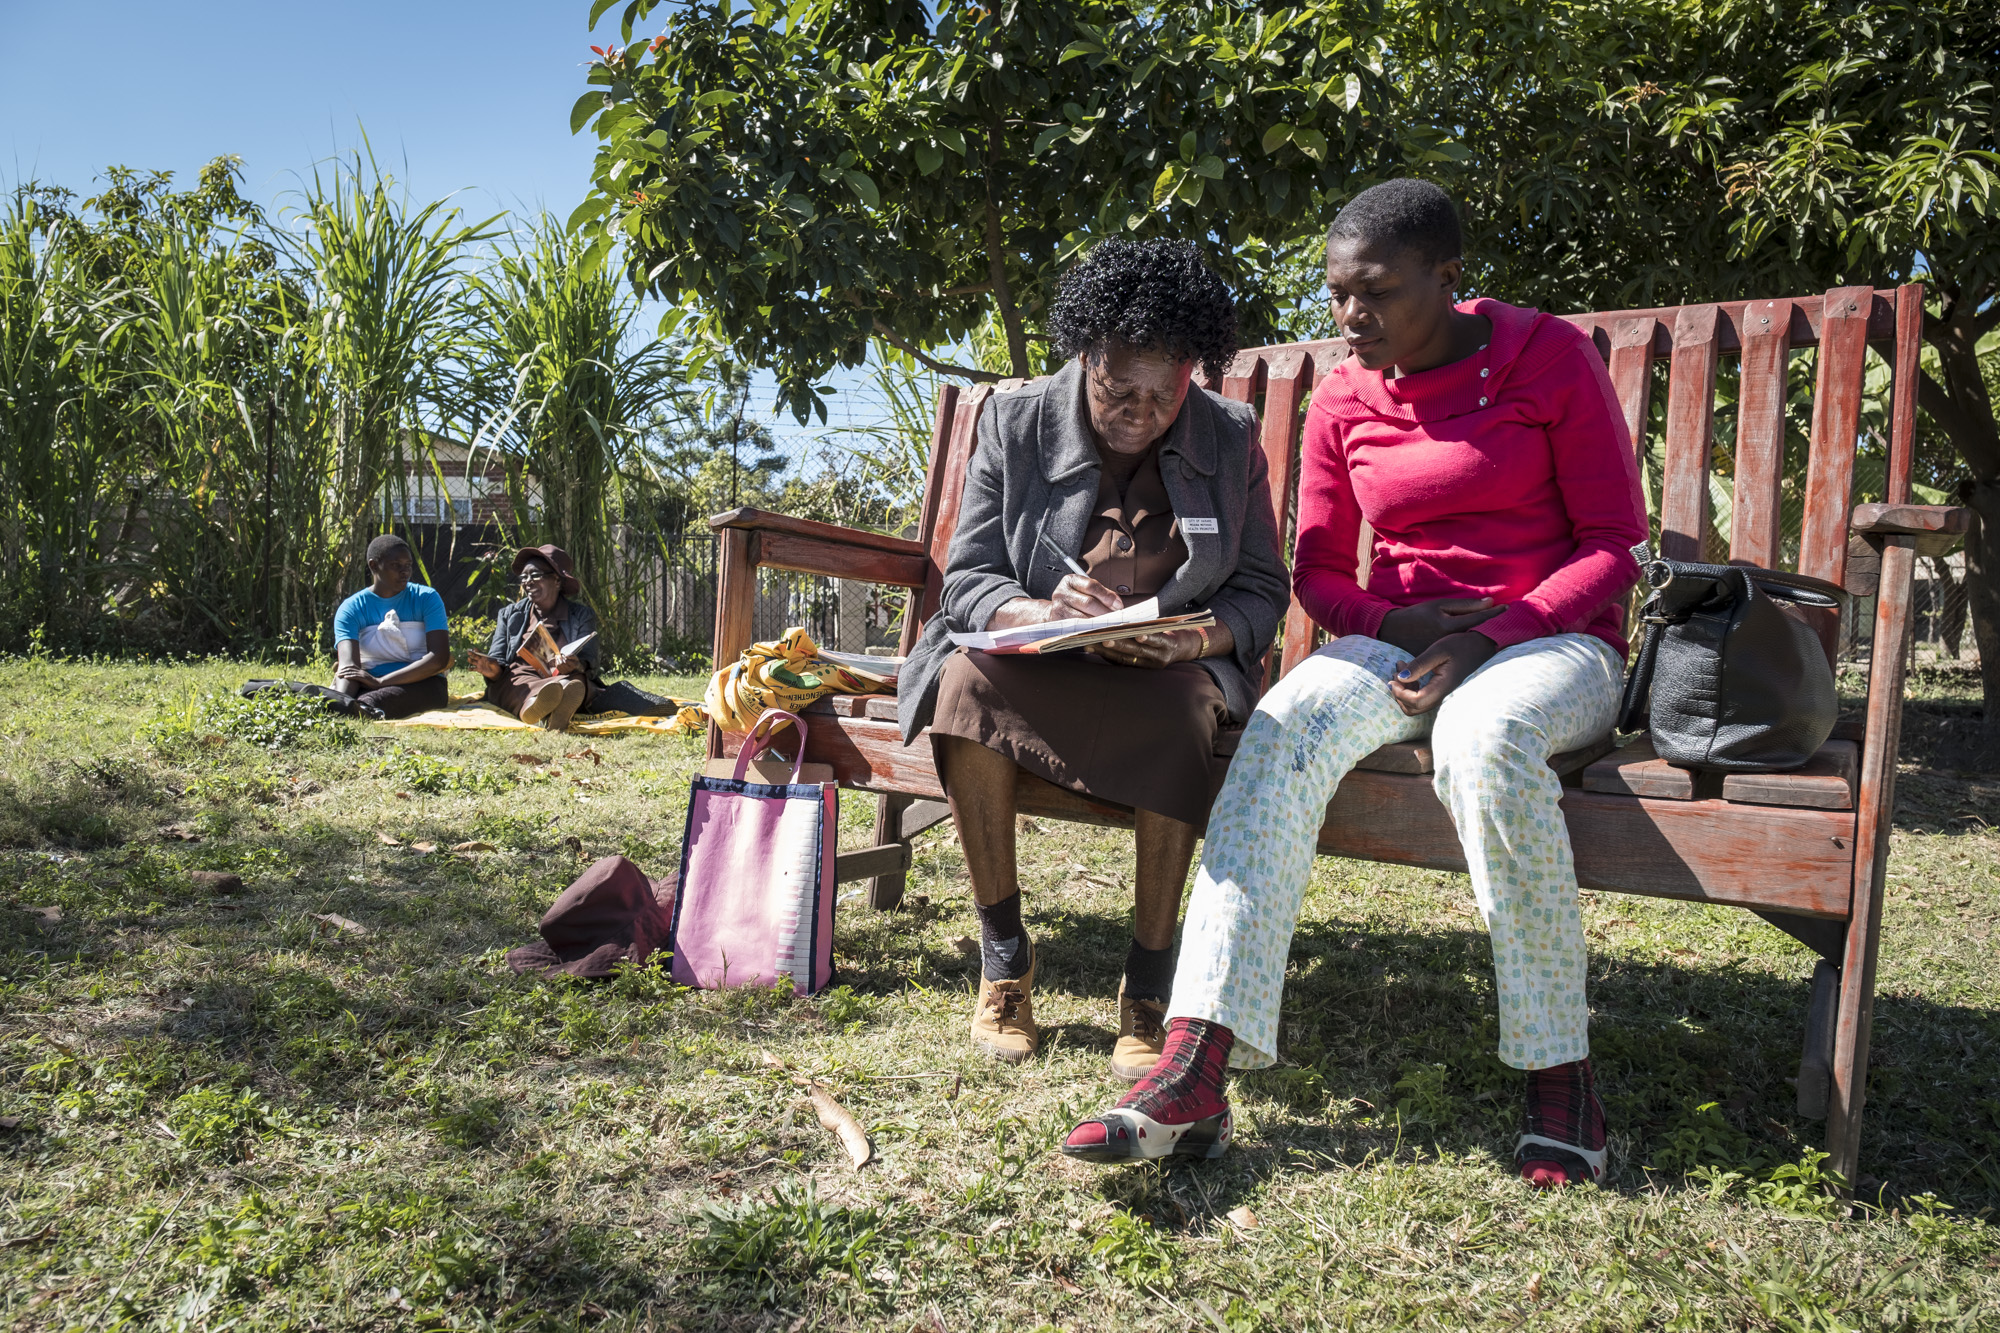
column 1200, row 525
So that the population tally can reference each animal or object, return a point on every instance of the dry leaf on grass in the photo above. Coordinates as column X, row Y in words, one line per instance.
column 472, row 847
column 574, row 843
column 339, row 922
column 586, row 753
column 10, row 1123
column 46, row 1234
column 966, row 945
column 49, row 915
column 425, row 847
column 179, row 833
column 1243, row 1218
column 390, row 839
column 529, row 759
column 836, row 1118
column 216, row 881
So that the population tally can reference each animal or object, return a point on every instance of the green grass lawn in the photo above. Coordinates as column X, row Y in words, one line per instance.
column 221, row 1110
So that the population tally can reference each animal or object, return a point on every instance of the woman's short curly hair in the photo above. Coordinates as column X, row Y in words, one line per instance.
column 1151, row 295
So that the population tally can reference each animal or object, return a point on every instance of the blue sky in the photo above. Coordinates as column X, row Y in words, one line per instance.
column 452, row 95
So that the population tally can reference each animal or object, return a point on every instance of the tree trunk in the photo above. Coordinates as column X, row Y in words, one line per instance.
column 1948, row 605
column 1982, row 591
column 996, row 265
column 1962, row 409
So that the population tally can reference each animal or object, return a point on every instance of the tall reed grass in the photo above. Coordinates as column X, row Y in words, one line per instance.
column 206, row 412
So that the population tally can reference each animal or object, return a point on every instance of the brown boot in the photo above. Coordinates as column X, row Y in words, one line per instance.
column 1142, row 1031
column 1003, row 1025
column 571, row 699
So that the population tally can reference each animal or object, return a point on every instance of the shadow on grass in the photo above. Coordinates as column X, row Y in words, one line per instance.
column 1388, row 1039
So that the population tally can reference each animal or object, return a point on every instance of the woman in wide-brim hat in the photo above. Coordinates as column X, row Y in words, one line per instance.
column 550, row 597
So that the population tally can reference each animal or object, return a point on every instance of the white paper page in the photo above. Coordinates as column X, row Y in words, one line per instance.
column 886, row 667
column 1148, row 609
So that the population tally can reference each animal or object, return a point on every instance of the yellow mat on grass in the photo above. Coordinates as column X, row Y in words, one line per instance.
column 470, row 713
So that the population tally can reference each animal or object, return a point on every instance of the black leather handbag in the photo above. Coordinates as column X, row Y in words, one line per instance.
column 1733, row 676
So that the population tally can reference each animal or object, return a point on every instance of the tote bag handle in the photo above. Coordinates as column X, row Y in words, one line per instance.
column 761, row 735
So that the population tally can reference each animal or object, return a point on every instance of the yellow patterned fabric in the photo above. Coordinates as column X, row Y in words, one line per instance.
column 786, row 673
column 471, row 713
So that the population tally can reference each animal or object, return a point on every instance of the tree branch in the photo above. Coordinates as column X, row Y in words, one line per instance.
column 888, row 335
column 996, row 262
column 1985, row 323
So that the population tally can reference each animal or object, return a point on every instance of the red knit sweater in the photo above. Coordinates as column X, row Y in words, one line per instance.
column 1509, row 475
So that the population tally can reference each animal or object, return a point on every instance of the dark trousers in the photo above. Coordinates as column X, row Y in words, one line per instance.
column 399, row 700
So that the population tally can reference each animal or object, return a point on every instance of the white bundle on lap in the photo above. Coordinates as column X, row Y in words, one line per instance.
column 392, row 641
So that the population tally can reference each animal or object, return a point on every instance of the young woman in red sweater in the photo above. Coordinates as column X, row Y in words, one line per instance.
column 1483, row 444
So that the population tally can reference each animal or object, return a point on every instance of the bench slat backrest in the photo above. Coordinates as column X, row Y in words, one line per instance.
column 1694, row 339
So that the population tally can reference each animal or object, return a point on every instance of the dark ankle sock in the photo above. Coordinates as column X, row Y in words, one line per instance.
column 1149, row 973
column 1003, row 944
column 1185, row 1086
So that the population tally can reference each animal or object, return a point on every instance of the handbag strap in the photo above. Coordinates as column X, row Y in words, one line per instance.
column 1633, row 709
column 761, row 734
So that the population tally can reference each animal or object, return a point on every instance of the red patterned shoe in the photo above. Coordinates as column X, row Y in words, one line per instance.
column 1177, row 1110
column 1564, row 1143
column 1130, row 1136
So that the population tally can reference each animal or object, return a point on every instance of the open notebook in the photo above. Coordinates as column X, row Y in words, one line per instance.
column 1055, row 636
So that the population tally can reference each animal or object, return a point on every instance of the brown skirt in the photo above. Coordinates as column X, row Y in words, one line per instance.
column 1133, row 735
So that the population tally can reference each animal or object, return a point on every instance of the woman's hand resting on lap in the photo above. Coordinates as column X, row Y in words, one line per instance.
column 1415, row 628
column 1152, row 650
column 1447, row 662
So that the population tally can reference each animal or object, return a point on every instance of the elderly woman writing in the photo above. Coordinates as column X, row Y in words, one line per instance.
column 540, row 685
column 1156, row 488
column 1483, row 444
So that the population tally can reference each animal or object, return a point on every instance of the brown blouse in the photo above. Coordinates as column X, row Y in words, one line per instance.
column 1133, row 544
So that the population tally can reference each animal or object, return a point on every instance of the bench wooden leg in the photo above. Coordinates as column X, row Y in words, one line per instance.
column 898, row 820
column 1816, row 1065
column 885, row 892
column 1875, row 807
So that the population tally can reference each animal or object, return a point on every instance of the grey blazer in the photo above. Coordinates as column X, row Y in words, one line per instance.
column 1036, row 468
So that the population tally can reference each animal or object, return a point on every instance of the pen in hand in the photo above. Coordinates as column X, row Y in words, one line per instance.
column 1057, row 551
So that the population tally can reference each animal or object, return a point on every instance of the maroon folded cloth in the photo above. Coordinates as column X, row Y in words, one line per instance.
column 613, row 913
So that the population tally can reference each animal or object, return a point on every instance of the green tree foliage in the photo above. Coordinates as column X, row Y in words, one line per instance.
column 814, row 176
column 803, row 178
column 1686, row 150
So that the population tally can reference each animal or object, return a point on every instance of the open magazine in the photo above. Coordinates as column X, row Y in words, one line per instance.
column 1056, row 636
column 539, row 650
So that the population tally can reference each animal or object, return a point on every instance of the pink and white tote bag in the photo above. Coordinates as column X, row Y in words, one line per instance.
column 755, row 906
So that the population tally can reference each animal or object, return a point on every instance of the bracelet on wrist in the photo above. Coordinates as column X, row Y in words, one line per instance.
column 1202, row 630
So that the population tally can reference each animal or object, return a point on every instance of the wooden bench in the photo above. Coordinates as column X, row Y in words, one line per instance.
column 1804, row 850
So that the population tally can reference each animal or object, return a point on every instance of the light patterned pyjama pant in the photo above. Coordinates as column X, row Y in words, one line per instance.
column 1491, row 740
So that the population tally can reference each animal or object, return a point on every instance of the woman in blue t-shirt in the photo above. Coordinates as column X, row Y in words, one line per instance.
column 391, row 639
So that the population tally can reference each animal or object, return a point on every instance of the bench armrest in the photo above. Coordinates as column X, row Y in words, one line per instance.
column 1937, row 528
column 779, row 541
